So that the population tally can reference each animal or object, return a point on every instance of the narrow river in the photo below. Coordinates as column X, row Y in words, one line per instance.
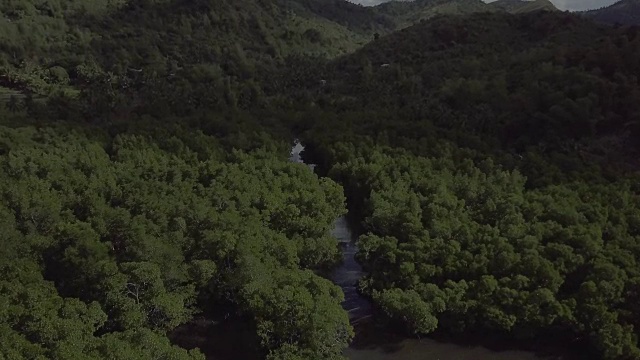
column 373, row 343
column 230, row 339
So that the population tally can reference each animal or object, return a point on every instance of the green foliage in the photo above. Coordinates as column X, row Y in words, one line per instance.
column 105, row 252
column 483, row 154
column 465, row 246
column 41, row 41
column 297, row 316
column 535, row 91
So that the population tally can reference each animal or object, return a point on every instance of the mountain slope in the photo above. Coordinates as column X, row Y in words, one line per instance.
column 411, row 12
column 523, row 6
column 625, row 12
column 38, row 38
column 407, row 13
column 492, row 75
column 49, row 45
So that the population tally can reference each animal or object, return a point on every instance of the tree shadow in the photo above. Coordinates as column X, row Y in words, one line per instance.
column 389, row 339
column 372, row 335
column 229, row 339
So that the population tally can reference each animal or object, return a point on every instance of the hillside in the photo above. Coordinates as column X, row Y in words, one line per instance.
column 48, row 47
column 523, row 6
column 463, row 63
column 624, row 12
column 411, row 12
column 44, row 43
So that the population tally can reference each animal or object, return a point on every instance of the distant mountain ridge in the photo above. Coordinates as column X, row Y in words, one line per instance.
column 236, row 39
column 624, row 12
column 522, row 6
column 407, row 13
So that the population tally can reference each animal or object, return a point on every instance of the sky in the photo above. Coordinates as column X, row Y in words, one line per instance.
column 572, row 5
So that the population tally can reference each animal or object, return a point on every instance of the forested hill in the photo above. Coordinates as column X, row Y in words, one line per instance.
column 57, row 42
column 52, row 45
column 538, row 80
column 411, row 12
column 624, row 12
column 522, row 6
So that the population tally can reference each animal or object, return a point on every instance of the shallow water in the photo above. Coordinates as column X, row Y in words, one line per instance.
column 349, row 272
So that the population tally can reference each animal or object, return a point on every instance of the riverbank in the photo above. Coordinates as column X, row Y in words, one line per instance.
column 374, row 341
column 377, row 341
column 230, row 339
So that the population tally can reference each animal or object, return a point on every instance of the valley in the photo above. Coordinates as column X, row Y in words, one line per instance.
column 467, row 188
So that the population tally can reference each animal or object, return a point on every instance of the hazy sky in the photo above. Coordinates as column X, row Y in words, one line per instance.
column 560, row 4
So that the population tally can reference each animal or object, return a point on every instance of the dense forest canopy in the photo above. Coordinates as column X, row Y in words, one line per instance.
column 537, row 84
column 118, row 242
column 461, row 246
column 47, row 43
column 491, row 159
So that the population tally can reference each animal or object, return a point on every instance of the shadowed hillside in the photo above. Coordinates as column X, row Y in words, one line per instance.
column 551, row 81
column 411, row 12
column 51, row 44
column 625, row 12
column 523, row 6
